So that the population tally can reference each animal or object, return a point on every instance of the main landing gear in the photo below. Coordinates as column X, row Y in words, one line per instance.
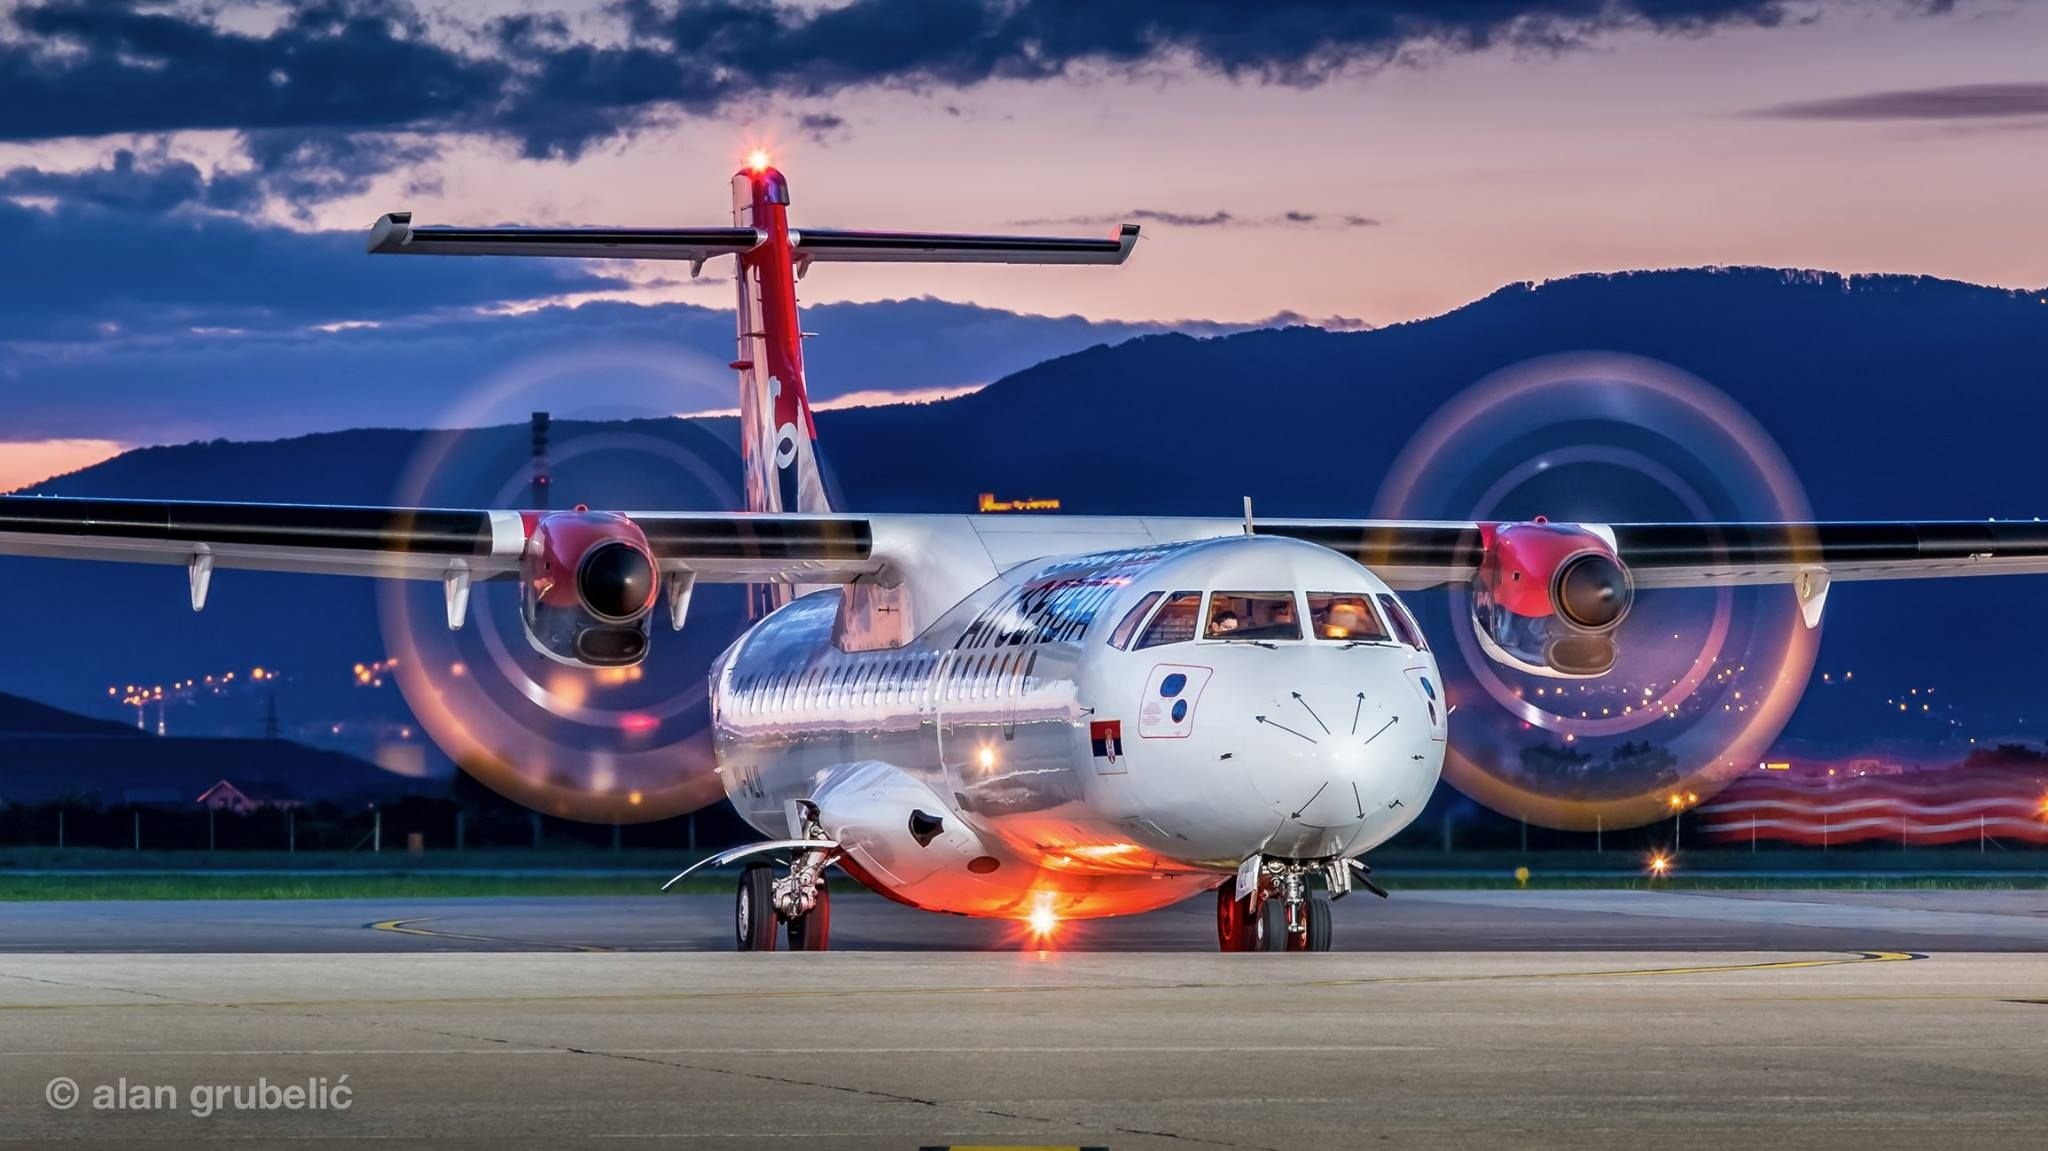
column 1281, row 913
column 766, row 903
column 799, row 899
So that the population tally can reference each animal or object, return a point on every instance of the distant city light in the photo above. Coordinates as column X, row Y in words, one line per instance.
column 989, row 503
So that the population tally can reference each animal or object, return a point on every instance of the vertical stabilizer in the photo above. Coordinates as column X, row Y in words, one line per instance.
column 778, row 440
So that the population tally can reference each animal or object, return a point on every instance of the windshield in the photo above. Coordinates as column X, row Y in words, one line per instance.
column 1128, row 626
column 1337, row 616
column 1252, row 615
column 1404, row 624
column 1175, row 622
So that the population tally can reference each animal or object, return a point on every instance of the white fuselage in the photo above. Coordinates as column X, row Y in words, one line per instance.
column 1043, row 744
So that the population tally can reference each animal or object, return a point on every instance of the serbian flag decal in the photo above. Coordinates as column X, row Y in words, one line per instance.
column 1106, row 736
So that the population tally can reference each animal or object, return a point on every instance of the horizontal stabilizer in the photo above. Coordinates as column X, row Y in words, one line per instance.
column 394, row 234
column 944, row 248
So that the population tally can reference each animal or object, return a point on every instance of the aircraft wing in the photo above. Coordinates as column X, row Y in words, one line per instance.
column 741, row 547
column 1414, row 554
column 413, row 543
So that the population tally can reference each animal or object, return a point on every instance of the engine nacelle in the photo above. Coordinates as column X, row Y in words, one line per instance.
column 1548, row 598
column 587, row 589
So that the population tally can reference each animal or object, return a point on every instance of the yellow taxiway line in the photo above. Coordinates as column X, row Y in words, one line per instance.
column 412, row 927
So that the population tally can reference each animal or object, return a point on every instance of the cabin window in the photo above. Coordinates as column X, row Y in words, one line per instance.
column 1175, row 622
column 1120, row 639
column 1252, row 615
column 1338, row 616
column 1404, row 624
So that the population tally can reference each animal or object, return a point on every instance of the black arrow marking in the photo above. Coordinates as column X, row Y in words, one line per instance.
column 1311, row 799
column 1311, row 712
column 1383, row 729
column 1283, row 727
column 1354, row 712
column 1357, row 802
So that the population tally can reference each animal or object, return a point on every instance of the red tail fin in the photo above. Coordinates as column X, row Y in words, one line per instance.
column 779, row 441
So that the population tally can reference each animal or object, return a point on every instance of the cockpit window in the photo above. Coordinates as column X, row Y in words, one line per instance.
column 1252, row 615
column 1175, row 622
column 1120, row 639
column 1334, row 615
column 1404, row 624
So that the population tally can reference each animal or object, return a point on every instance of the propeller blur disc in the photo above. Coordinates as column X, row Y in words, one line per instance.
column 1705, row 678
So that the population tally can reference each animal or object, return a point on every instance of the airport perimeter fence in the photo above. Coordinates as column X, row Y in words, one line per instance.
column 483, row 831
column 437, row 826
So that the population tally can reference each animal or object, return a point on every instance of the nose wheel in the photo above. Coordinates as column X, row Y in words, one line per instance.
column 1282, row 915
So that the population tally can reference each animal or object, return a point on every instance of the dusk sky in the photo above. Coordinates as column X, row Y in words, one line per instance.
column 184, row 187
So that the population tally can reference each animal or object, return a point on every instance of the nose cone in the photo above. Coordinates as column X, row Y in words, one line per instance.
column 1341, row 748
column 1322, row 763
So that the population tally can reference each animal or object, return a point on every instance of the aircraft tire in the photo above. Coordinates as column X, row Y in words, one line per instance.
column 753, row 912
column 812, row 931
column 1318, row 922
column 1233, row 926
column 1271, row 926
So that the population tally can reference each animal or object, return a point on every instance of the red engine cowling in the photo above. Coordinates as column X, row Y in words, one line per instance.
column 587, row 588
column 1548, row 598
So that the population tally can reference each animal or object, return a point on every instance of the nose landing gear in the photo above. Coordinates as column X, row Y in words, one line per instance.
column 1280, row 914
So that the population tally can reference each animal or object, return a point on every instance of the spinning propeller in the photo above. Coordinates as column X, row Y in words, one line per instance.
column 1588, row 701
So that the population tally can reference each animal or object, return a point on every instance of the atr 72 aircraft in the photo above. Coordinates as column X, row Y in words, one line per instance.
column 1036, row 718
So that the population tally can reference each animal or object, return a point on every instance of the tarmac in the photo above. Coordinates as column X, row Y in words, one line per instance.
column 1446, row 1019
column 1534, row 920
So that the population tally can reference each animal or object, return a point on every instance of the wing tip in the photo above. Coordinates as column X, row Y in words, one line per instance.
column 391, row 232
column 1126, row 240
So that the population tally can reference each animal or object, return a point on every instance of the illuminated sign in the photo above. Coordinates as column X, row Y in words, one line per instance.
column 989, row 503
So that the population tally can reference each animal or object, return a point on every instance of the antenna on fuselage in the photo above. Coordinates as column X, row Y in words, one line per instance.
column 1248, row 515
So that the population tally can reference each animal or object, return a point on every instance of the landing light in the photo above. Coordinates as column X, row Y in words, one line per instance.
column 1043, row 920
column 1660, row 864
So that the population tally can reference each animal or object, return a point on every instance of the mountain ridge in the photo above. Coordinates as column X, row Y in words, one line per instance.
column 1892, row 396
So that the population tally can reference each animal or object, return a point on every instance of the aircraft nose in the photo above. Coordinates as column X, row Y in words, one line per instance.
column 1299, row 752
column 1311, row 760
column 1331, row 755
